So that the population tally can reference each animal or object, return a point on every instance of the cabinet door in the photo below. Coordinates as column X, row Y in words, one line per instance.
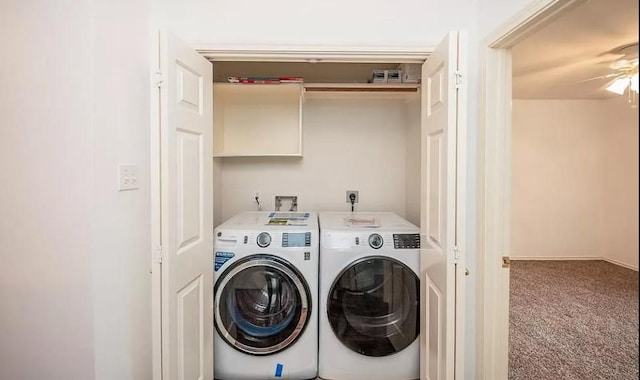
column 186, row 211
column 257, row 119
column 441, row 301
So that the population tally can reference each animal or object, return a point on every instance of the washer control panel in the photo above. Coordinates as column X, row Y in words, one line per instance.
column 301, row 239
column 406, row 241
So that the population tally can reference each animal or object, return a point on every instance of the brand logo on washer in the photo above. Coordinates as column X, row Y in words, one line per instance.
column 221, row 259
column 307, row 256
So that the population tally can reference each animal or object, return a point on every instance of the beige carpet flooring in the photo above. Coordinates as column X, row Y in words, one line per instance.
column 573, row 320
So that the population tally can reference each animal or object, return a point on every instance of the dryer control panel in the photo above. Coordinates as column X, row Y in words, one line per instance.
column 406, row 241
column 301, row 239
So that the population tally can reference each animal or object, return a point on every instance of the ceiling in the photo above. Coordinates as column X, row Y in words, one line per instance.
column 556, row 61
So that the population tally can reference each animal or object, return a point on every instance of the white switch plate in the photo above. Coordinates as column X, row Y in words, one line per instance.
column 127, row 177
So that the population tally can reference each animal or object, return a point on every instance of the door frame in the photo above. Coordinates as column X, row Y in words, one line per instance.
column 314, row 55
column 292, row 54
column 494, row 181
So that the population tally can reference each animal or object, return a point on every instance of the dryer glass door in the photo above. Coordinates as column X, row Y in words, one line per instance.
column 373, row 306
column 262, row 305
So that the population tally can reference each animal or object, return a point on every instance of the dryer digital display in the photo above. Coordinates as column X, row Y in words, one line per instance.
column 302, row 239
column 406, row 241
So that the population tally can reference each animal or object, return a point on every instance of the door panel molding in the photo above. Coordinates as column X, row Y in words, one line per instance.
column 443, row 117
column 182, row 211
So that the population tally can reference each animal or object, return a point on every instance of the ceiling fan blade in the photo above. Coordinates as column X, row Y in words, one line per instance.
column 617, row 86
column 610, row 75
column 624, row 64
column 609, row 57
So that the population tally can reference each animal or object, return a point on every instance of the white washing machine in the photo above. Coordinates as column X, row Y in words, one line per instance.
column 265, row 295
column 369, row 319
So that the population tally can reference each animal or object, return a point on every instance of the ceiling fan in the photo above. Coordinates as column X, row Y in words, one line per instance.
column 624, row 73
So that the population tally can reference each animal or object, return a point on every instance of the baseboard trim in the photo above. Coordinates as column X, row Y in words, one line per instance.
column 576, row 258
column 619, row 263
column 555, row 258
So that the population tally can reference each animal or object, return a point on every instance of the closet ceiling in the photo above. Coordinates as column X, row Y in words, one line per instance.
column 556, row 61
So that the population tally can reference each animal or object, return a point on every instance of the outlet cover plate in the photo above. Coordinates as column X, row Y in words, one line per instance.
column 127, row 177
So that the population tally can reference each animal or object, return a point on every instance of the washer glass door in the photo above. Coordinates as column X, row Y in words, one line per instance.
column 373, row 306
column 262, row 305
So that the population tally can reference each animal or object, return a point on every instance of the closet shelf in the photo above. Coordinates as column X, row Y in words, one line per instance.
column 361, row 90
column 361, row 87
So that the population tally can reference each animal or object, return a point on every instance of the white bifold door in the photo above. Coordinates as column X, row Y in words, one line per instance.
column 185, row 148
column 441, row 339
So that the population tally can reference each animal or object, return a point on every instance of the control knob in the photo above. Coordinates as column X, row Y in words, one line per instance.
column 375, row 241
column 263, row 240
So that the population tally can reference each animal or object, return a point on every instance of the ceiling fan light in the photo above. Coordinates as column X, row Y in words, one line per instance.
column 634, row 82
column 618, row 86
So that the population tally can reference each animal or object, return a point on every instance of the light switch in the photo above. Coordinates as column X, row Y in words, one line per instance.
column 127, row 177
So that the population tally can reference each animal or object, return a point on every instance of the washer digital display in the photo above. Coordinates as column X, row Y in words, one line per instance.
column 302, row 239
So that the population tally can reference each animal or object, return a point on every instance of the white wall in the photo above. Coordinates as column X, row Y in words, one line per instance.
column 621, row 178
column 493, row 14
column 408, row 23
column 74, row 280
column 46, row 164
column 413, row 156
column 557, row 169
column 574, row 180
column 347, row 145
column 121, row 228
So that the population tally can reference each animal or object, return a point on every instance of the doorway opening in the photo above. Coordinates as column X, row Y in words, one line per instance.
column 495, row 226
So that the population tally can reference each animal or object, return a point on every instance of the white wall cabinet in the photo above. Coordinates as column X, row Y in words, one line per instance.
column 257, row 120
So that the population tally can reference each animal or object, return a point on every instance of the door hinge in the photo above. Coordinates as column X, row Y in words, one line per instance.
column 158, row 255
column 158, row 79
column 459, row 78
column 506, row 262
column 456, row 254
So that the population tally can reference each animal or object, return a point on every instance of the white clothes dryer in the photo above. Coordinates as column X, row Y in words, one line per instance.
column 369, row 297
column 265, row 296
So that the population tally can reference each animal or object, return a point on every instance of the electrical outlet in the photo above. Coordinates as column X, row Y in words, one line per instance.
column 127, row 177
column 354, row 192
